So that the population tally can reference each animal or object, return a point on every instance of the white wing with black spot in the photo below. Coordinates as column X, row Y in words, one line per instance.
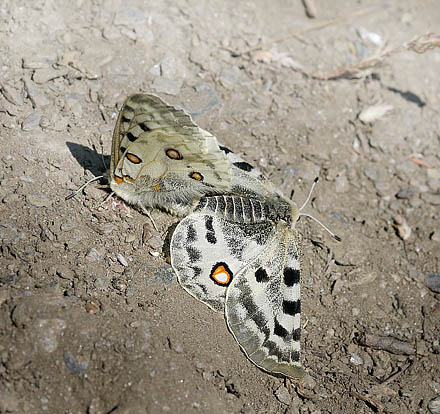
column 263, row 306
column 231, row 257
column 207, row 252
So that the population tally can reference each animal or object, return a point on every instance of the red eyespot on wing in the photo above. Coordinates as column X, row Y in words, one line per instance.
column 221, row 274
column 173, row 154
column 133, row 158
column 196, row 176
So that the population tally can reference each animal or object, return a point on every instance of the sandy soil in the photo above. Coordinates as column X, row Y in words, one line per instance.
column 92, row 318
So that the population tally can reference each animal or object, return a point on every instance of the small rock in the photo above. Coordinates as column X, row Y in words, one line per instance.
column 92, row 308
column 375, row 112
column 435, row 236
column 37, row 62
column 431, row 198
column 75, row 366
column 121, row 259
column 283, row 396
column 406, row 193
column 355, row 359
column 432, row 281
column 74, row 102
column 168, row 86
column 11, row 94
column 31, row 121
column 66, row 226
column 402, row 227
column 38, row 200
column 65, row 273
column 341, row 184
column 26, row 179
column 129, row 17
column 175, row 346
column 93, row 255
column 46, row 333
column 105, row 228
column 38, row 98
column 434, row 406
column 130, row 238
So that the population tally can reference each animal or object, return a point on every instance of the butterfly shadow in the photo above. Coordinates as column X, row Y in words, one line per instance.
column 89, row 158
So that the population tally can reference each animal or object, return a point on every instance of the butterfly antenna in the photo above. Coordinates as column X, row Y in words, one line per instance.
column 335, row 236
column 315, row 181
column 83, row 186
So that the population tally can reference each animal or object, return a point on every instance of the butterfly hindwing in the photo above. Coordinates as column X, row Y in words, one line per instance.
column 263, row 306
column 161, row 159
column 248, row 267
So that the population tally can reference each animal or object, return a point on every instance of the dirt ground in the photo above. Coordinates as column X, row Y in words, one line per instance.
column 92, row 317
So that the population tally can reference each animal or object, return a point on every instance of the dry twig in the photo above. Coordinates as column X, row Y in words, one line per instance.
column 419, row 45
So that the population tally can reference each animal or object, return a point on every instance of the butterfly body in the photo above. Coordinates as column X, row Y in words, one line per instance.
column 236, row 249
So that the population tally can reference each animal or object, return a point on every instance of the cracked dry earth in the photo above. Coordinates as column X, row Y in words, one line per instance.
column 92, row 318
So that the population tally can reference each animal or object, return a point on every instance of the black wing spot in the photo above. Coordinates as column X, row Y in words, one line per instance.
column 243, row 165
column 279, row 330
column 191, row 235
column 144, row 127
column 291, row 276
column 295, row 356
column 296, row 335
column 210, row 233
column 261, row 275
column 131, row 137
column 122, row 149
column 291, row 307
column 193, row 254
column 225, row 150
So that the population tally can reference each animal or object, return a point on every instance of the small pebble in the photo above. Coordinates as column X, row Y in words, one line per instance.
column 434, row 406
column 432, row 281
column 402, row 228
column 341, row 184
column 130, row 238
column 406, row 193
column 31, row 122
column 75, row 366
column 121, row 259
column 93, row 255
column 283, row 396
column 92, row 308
column 168, row 86
column 26, row 179
column 375, row 112
column 435, row 236
column 38, row 200
column 11, row 94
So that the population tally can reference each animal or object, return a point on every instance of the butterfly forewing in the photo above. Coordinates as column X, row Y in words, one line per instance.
column 160, row 158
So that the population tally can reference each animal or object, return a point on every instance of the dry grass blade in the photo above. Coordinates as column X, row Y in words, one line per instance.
column 419, row 45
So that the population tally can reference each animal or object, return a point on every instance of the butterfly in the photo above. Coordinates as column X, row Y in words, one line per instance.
column 236, row 249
